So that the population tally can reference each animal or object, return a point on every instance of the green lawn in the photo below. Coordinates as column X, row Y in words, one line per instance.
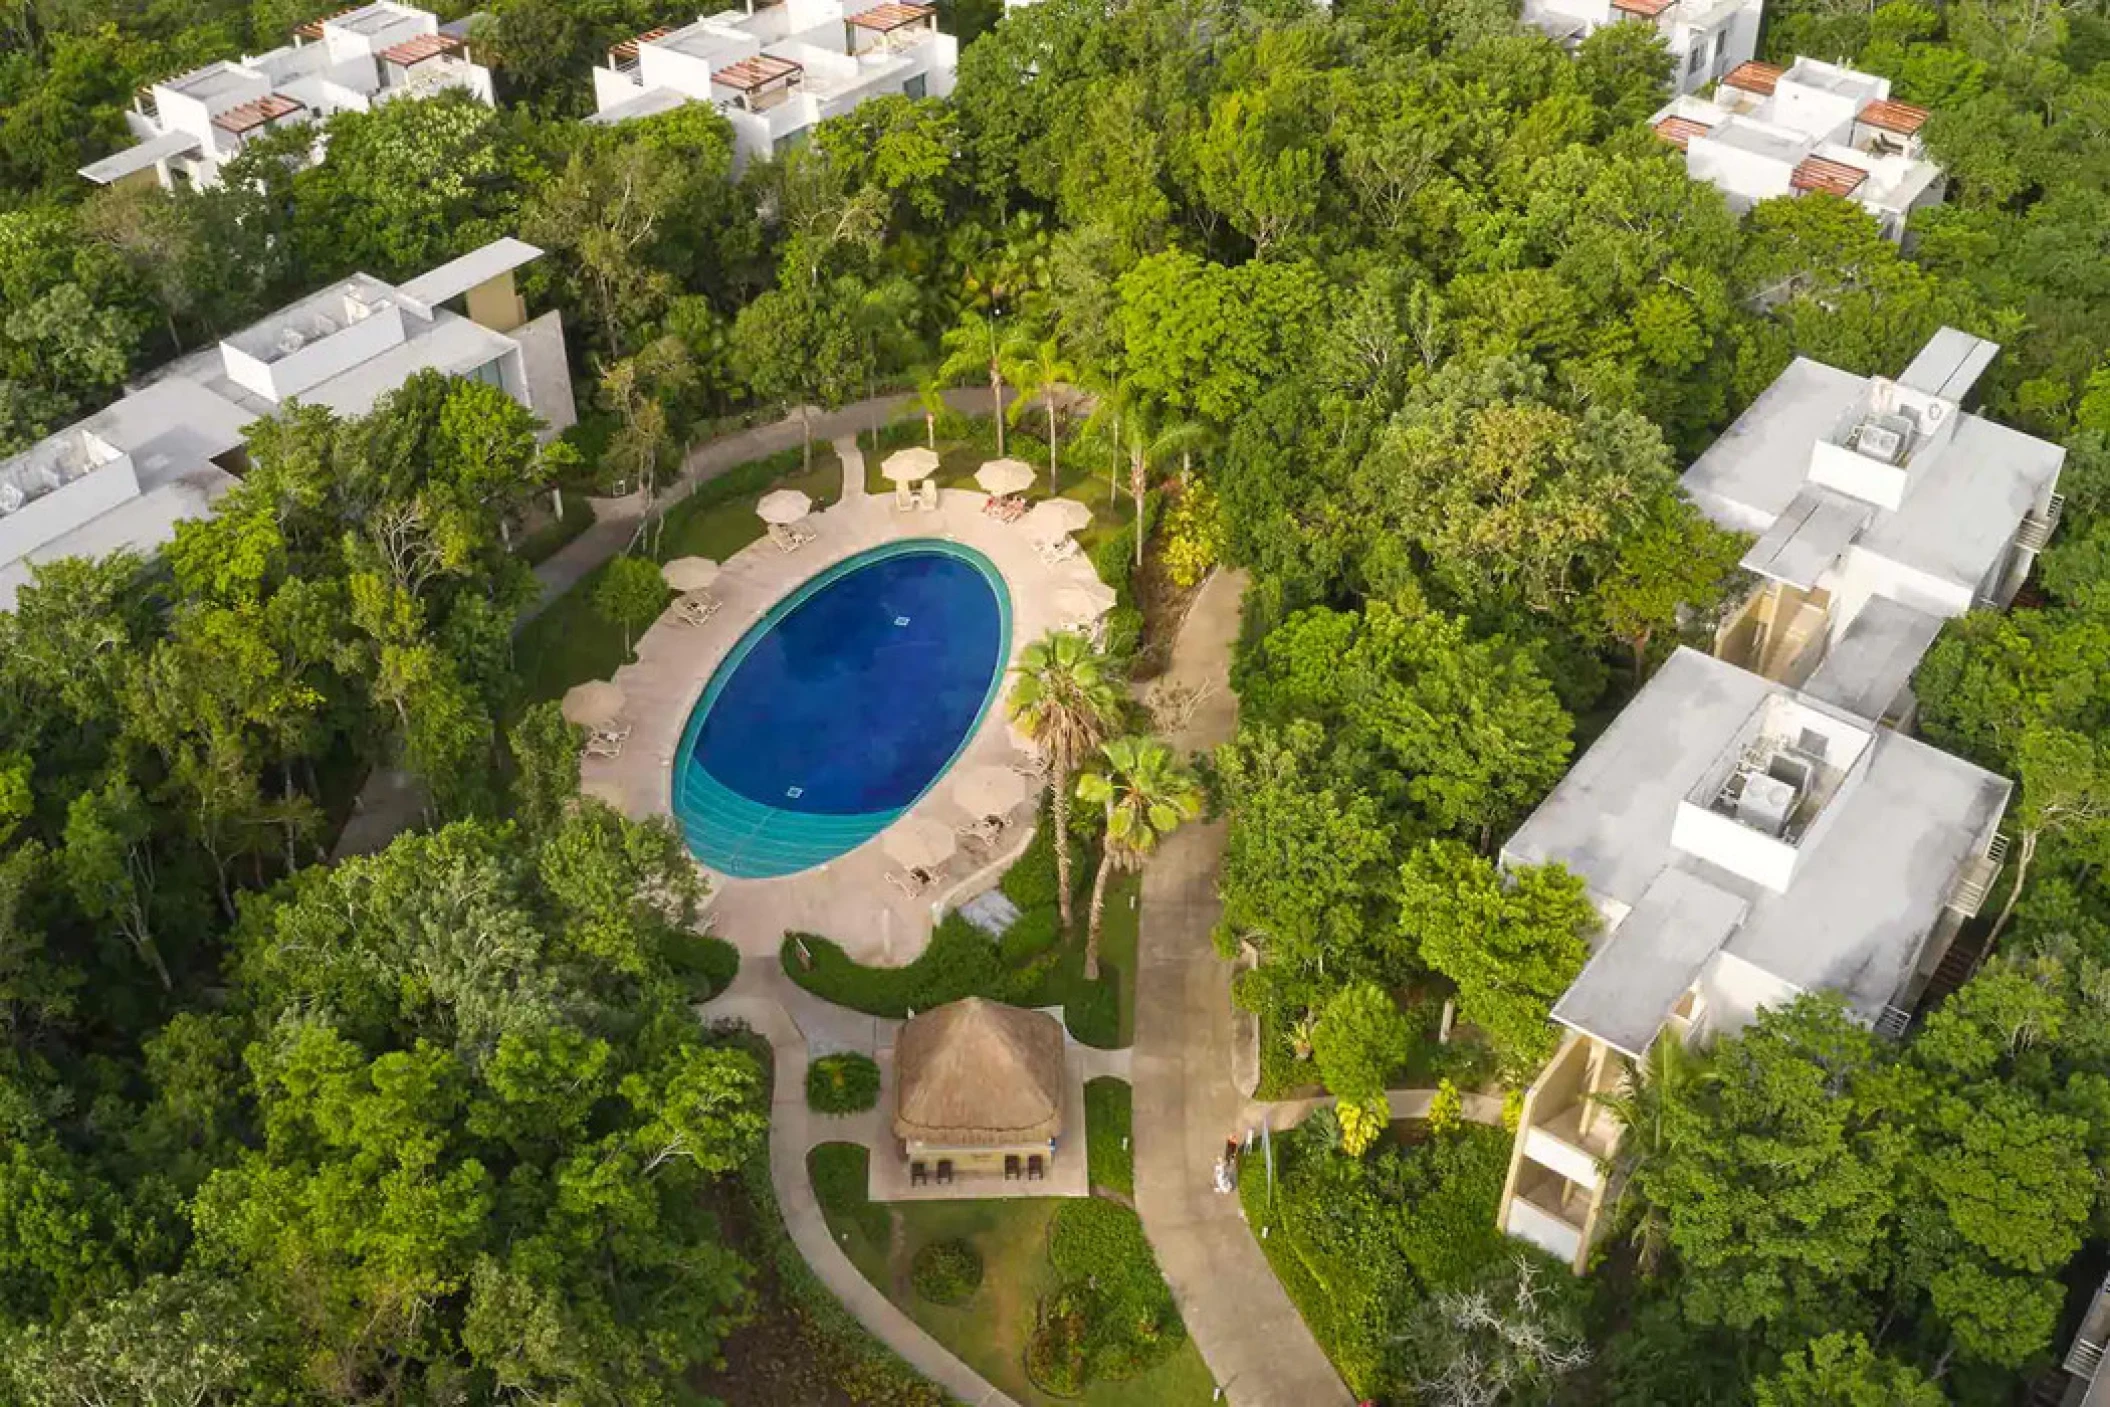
column 570, row 643
column 1109, row 1124
column 989, row 1330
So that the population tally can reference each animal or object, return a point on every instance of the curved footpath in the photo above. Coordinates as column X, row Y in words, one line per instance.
column 1251, row 1336
column 767, row 1002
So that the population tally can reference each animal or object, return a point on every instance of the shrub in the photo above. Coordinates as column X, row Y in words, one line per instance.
column 1034, row 933
column 1362, row 1120
column 707, row 965
column 1124, row 633
column 1131, row 1320
column 1092, row 1010
column 1446, row 1109
column 1195, row 534
column 960, row 962
column 946, row 1272
column 1055, row 1354
column 845, row 1083
column 1108, row 1123
column 1031, row 882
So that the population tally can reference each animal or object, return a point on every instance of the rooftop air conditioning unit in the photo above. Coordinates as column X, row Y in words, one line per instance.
column 1883, row 437
column 1765, row 803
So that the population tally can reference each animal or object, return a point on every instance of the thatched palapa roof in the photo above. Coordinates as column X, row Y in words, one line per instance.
column 976, row 1073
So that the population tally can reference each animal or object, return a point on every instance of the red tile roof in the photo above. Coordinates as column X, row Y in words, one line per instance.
column 312, row 29
column 1755, row 77
column 247, row 117
column 421, row 48
column 627, row 49
column 1902, row 118
column 1647, row 9
column 1680, row 130
column 892, row 16
column 1816, row 173
column 760, row 71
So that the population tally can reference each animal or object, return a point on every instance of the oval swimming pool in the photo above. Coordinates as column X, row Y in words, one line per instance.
column 841, row 707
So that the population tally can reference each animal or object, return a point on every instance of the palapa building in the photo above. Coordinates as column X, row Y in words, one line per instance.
column 980, row 1086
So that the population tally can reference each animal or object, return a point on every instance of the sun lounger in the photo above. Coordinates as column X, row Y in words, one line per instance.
column 986, row 831
column 698, row 607
column 789, row 537
column 927, row 495
column 913, row 884
column 1062, row 549
column 904, row 499
column 604, row 747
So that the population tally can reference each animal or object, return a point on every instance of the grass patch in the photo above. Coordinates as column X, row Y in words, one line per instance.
column 990, row 1329
column 841, row 1174
column 1029, row 966
column 845, row 1083
column 1108, row 1127
column 571, row 642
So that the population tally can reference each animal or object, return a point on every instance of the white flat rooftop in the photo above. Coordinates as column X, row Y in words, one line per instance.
column 1956, row 518
column 120, row 164
column 458, row 276
column 1872, row 873
column 649, row 103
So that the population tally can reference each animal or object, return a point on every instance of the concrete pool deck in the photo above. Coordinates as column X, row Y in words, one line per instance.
column 847, row 899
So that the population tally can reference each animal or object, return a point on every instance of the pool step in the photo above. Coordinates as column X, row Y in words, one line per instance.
column 748, row 840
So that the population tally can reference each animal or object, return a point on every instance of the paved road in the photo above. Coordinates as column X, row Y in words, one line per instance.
column 1186, row 1105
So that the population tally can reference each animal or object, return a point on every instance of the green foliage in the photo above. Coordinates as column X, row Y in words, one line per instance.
column 1512, row 941
column 841, row 1174
column 631, row 595
column 844, row 1083
column 1112, row 1280
column 1108, row 1123
column 1360, row 1039
column 1841, row 1370
column 946, row 1272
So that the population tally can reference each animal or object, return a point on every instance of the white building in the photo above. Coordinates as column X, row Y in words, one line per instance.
column 1706, row 38
column 1770, row 131
column 776, row 70
column 1744, row 843
column 125, row 476
column 1881, row 509
column 188, row 127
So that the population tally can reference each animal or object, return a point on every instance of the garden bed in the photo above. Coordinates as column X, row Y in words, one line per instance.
column 1031, row 965
column 1016, row 1240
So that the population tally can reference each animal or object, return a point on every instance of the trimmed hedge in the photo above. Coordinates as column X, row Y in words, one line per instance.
column 1111, row 1277
column 846, row 1083
column 946, row 1272
column 1108, row 1126
column 707, row 964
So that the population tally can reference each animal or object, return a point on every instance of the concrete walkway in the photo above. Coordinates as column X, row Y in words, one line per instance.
column 791, row 1019
column 1186, row 1106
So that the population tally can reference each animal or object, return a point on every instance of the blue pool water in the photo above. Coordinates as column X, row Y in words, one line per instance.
column 841, row 707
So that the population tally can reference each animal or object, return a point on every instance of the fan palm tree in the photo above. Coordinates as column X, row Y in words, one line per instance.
column 930, row 401
column 1036, row 368
column 1669, row 1074
column 972, row 349
column 1066, row 702
column 1148, row 792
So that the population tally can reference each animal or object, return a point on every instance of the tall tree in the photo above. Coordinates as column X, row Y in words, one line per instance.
column 1063, row 699
column 1147, row 792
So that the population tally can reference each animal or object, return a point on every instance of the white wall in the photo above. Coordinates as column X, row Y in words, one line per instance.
column 1724, row 841
column 54, row 514
column 319, row 360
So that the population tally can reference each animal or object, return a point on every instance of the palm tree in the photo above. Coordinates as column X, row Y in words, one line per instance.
column 972, row 349
column 1147, row 792
column 1175, row 437
column 1036, row 368
column 1667, row 1076
column 930, row 399
column 1067, row 704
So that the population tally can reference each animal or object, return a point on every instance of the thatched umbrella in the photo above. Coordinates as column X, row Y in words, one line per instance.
column 687, row 574
column 1005, row 476
column 978, row 1074
column 909, row 466
column 989, row 790
column 1084, row 600
column 1052, row 518
column 919, row 842
column 593, row 705
column 783, row 506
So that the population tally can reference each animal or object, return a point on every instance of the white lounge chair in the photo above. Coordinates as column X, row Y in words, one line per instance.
column 1058, row 551
column 913, row 884
column 603, row 746
column 789, row 537
column 698, row 607
column 927, row 495
column 904, row 498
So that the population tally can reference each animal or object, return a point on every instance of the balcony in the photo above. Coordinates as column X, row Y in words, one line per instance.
column 1968, row 894
column 2037, row 528
column 1550, row 1212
